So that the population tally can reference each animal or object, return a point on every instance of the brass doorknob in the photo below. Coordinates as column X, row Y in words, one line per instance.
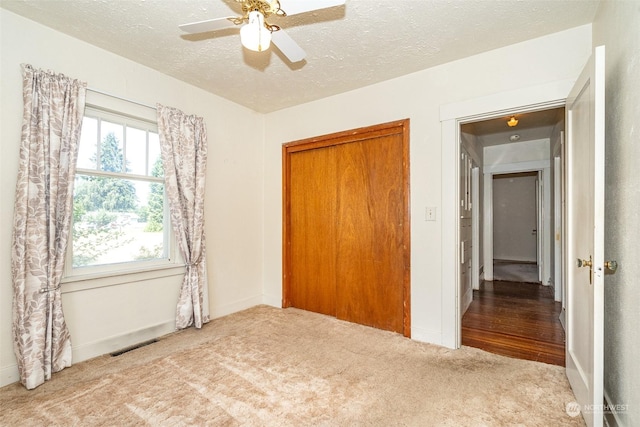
column 611, row 265
column 587, row 263
column 584, row 263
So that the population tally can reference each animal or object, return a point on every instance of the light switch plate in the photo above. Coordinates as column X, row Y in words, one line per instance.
column 430, row 213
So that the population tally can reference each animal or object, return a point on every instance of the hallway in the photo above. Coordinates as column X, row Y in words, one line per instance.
column 515, row 319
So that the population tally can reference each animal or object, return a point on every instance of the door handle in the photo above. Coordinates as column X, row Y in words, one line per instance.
column 611, row 265
column 585, row 263
column 534, row 232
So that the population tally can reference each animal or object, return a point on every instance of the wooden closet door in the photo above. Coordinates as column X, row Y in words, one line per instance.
column 312, row 193
column 369, row 233
column 346, row 248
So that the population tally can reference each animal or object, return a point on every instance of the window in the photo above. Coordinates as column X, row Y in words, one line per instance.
column 120, row 214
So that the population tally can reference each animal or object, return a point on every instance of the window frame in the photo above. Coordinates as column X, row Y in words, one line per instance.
column 148, row 268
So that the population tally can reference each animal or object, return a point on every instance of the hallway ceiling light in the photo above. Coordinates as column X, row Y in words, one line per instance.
column 514, row 137
column 512, row 121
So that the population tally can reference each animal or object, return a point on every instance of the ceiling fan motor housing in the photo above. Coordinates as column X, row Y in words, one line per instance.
column 266, row 8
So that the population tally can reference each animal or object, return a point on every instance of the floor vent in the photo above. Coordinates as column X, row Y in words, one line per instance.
column 133, row 347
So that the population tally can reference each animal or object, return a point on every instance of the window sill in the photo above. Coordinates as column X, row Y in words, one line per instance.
column 100, row 280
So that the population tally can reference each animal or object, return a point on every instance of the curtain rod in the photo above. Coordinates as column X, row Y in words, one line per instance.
column 121, row 98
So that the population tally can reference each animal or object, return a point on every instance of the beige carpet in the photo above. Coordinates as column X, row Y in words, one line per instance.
column 271, row 367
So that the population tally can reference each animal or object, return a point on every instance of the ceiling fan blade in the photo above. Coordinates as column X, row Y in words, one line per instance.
column 287, row 46
column 208, row 25
column 292, row 7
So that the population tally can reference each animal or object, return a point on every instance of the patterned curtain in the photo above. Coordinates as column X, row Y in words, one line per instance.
column 183, row 142
column 53, row 110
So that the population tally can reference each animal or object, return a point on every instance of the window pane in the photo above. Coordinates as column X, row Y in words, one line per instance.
column 117, row 220
column 155, row 158
column 87, row 154
column 136, row 151
column 111, row 150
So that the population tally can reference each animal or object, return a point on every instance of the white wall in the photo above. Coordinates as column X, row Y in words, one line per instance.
column 418, row 96
column 473, row 146
column 514, row 216
column 104, row 318
column 616, row 27
column 517, row 152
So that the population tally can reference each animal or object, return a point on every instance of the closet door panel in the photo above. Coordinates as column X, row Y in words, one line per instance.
column 369, row 233
column 312, row 230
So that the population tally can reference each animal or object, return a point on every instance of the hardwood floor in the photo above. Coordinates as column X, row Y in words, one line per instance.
column 515, row 319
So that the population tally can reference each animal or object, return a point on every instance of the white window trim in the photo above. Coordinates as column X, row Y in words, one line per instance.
column 118, row 273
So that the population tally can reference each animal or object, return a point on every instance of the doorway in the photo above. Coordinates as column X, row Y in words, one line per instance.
column 517, row 311
column 452, row 116
column 516, row 220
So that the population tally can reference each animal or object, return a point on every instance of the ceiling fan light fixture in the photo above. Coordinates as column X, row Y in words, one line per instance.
column 254, row 35
column 512, row 121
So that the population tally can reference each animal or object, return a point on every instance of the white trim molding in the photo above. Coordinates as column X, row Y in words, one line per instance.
column 533, row 98
column 549, row 95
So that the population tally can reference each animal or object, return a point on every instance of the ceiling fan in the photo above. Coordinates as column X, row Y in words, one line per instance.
column 255, row 32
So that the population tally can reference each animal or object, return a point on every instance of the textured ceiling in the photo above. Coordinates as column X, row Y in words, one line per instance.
column 350, row 46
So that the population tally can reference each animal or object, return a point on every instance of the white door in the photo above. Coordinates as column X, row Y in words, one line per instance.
column 585, row 238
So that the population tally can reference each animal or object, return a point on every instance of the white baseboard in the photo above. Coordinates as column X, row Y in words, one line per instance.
column 466, row 300
column 512, row 259
column 427, row 336
column 236, row 306
column 273, row 301
column 118, row 342
column 476, row 286
column 9, row 375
